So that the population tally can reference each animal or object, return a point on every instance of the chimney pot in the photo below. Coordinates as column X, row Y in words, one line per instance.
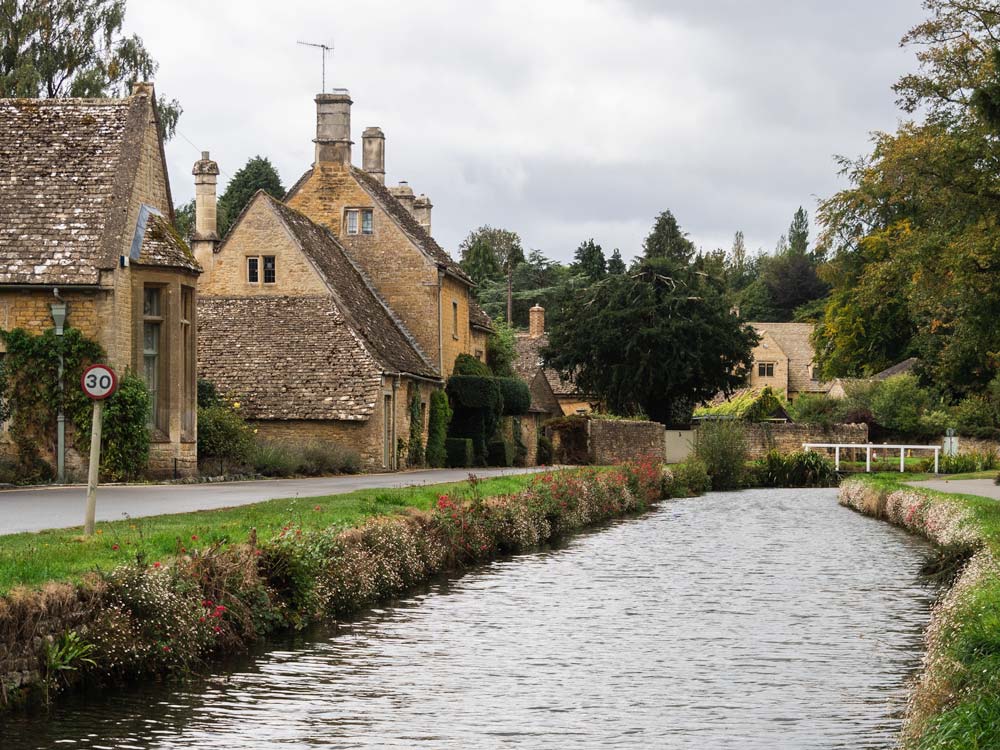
column 373, row 153
column 422, row 211
column 333, row 127
column 205, row 173
column 404, row 194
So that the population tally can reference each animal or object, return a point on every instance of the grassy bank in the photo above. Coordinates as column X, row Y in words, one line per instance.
column 956, row 702
column 162, row 617
column 31, row 559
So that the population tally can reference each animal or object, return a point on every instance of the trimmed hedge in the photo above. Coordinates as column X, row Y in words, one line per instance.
column 437, row 429
column 459, row 452
column 516, row 396
column 466, row 364
column 501, row 453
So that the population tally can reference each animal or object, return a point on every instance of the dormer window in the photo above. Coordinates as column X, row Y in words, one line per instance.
column 360, row 221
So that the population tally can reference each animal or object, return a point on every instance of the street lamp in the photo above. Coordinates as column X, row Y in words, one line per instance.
column 58, row 309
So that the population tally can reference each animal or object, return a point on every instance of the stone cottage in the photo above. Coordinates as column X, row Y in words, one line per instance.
column 784, row 360
column 290, row 326
column 386, row 231
column 551, row 393
column 86, row 219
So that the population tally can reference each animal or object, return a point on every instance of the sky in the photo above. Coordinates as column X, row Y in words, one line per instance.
column 560, row 119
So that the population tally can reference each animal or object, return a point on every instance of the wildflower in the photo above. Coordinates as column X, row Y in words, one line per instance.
column 156, row 565
column 318, row 508
column 114, row 547
column 99, row 531
column 257, row 552
column 217, row 629
column 166, row 648
column 236, row 404
column 206, row 603
column 194, row 537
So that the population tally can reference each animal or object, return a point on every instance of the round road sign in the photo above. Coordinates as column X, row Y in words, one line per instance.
column 99, row 381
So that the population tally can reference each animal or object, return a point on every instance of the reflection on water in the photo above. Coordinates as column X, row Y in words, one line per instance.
column 761, row 619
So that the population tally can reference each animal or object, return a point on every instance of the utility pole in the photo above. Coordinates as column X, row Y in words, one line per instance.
column 325, row 48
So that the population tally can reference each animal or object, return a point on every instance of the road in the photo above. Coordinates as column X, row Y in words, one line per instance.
column 34, row 509
column 981, row 487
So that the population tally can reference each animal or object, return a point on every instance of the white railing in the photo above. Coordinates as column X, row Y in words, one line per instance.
column 870, row 447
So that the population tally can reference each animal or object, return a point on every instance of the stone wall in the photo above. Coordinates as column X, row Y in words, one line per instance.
column 786, row 437
column 614, row 441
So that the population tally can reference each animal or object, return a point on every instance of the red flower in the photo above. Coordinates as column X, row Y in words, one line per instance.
column 206, row 603
column 194, row 537
column 114, row 547
column 166, row 648
column 318, row 507
column 217, row 629
column 156, row 565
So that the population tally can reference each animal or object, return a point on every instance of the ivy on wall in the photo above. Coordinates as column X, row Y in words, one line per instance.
column 30, row 396
column 415, row 446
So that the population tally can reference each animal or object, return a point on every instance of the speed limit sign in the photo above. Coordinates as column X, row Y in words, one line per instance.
column 99, row 382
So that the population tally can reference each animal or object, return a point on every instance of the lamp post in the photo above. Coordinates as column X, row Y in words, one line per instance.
column 58, row 309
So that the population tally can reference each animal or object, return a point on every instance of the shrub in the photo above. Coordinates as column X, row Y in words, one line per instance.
column 319, row 459
column 415, row 446
column 478, row 404
column 544, row 457
column 125, row 430
column 207, row 394
column 501, row 453
column 520, row 449
column 798, row 469
column 466, row 364
column 274, row 459
column 722, row 446
column 437, row 428
column 224, row 435
column 459, row 452
column 690, row 478
column 572, row 432
column 898, row 402
column 964, row 463
column 516, row 396
column 975, row 416
column 501, row 350
column 818, row 410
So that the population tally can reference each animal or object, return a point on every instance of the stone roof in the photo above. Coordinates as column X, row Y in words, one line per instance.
column 900, row 368
column 163, row 246
column 478, row 316
column 392, row 345
column 795, row 341
column 286, row 358
column 528, row 361
column 67, row 168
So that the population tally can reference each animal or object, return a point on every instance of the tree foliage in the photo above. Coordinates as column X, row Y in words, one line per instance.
column 615, row 263
column 59, row 48
column 589, row 260
column 500, row 350
column 666, row 240
column 655, row 340
column 257, row 174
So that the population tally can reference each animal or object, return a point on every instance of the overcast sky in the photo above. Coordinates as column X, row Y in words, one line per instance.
column 560, row 119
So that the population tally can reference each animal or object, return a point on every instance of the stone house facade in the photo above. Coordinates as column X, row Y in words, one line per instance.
column 784, row 360
column 292, row 328
column 86, row 219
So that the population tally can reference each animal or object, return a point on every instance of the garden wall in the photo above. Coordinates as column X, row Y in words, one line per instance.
column 614, row 441
column 786, row 437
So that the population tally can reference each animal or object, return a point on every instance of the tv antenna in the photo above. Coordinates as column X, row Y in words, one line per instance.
column 325, row 48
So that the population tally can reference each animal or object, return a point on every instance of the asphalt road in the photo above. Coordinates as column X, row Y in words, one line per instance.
column 34, row 509
column 981, row 487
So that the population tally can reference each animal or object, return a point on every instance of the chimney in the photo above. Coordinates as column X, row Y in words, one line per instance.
column 422, row 211
column 373, row 153
column 404, row 194
column 333, row 127
column 205, row 239
column 142, row 88
column 536, row 321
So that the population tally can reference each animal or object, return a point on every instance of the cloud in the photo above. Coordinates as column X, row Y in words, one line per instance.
column 564, row 119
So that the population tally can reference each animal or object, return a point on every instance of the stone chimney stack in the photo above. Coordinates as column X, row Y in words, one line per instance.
column 373, row 153
column 142, row 88
column 205, row 239
column 536, row 321
column 422, row 211
column 333, row 127
column 404, row 194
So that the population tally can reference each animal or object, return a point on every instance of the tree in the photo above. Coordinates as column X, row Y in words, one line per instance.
column 507, row 253
column 590, row 260
column 798, row 233
column 501, row 350
column 184, row 219
column 58, row 48
column 479, row 261
column 667, row 240
column 655, row 340
column 615, row 263
column 257, row 174
column 538, row 280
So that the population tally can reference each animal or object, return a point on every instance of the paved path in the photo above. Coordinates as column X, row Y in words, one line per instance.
column 35, row 509
column 981, row 487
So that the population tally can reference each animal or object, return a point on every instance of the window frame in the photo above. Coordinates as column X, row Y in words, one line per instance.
column 765, row 369
column 367, row 223
column 253, row 269
column 454, row 319
column 155, row 322
column 273, row 269
column 355, row 215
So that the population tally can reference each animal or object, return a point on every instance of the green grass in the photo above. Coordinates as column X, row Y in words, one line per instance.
column 32, row 559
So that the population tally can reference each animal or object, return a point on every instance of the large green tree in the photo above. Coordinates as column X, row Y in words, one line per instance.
column 505, row 246
column 915, row 260
column 60, row 48
column 257, row 174
column 656, row 340
column 615, row 263
column 666, row 240
column 589, row 260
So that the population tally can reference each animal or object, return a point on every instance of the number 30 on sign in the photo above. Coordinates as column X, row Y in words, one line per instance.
column 99, row 382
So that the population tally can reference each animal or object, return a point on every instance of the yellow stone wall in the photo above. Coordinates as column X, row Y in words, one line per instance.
column 769, row 351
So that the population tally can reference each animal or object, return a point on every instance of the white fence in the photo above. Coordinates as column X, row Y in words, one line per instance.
column 870, row 447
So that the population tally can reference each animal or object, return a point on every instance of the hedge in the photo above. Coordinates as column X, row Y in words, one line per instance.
column 500, row 453
column 516, row 396
column 459, row 452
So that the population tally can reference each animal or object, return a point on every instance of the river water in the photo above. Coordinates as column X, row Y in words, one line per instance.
column 760, row 619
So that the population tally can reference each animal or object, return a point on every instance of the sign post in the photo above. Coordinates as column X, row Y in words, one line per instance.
column 98, row 383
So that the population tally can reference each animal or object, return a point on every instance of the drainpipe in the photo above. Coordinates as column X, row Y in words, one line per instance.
column 58, row 309
column 395, row 438
column 441, row 323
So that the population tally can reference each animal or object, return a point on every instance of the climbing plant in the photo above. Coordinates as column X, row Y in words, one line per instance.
column 124, row 431
column 30, row 396
column 415, row 446
column 437, row 428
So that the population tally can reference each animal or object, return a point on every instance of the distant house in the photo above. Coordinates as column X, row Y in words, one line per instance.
column 550, row 392
column 839, row 387
column 85, row 217
column 290, row 325
column 784, row 360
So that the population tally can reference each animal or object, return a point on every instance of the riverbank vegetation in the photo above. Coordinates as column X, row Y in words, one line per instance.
column 210, row 583
column 956, row 702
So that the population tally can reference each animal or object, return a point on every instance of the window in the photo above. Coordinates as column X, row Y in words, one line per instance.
column 189, row 382
column 268, row 269
column 366, row 221
column 352, row 221
column 765, row 369
column 454, row 320
column 152, row 322
column 479, row 355
column 253, row 270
